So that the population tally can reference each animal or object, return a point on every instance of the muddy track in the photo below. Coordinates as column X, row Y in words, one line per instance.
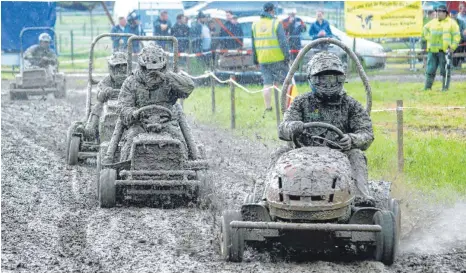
column 51, row 221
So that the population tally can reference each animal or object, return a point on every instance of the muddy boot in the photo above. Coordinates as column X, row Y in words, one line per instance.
column 429, row 82
column 358, row 163
column 90, row 131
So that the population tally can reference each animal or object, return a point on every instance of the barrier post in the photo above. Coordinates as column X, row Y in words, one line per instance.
column 72, row 47
column 232, row 99
column 277, row 105
column 399, row 123
column 212, row 84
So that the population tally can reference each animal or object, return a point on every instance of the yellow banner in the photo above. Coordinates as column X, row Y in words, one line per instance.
column 376, row 19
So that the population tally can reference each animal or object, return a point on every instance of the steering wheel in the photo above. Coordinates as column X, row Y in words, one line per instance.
column 164, row 114
column 329, row 127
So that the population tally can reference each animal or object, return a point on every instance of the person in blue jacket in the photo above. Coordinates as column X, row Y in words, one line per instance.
column 162, row 27
column 320, row 28
column 119, row 43
column 134, row 27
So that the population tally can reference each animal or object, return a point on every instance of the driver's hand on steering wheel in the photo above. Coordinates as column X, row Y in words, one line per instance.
column 296, row 128
column 345, row 142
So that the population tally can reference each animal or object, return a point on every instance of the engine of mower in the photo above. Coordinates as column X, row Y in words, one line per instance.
column 157, row 148
column 310, row 184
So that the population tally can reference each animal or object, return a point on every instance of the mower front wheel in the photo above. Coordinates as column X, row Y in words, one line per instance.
column 107, row 188
column 386, row 239
column 73, row 150
column 394, row 207
column 231, row 239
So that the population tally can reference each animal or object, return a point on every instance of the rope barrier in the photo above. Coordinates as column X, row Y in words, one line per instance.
column 420, row 108
column 210, row 74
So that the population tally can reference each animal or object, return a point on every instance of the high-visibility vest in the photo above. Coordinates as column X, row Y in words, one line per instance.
column 266, row 42
column 441, row 34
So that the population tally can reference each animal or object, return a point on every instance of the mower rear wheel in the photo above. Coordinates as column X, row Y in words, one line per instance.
column 231, row 240
column 385, row 248
column 107, row 189
column 73, row 150
column 61, row 92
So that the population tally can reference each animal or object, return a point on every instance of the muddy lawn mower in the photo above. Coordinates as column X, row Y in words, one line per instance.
column 80, row 146
column 160, row 166
column 308, row 203
column 34, row 80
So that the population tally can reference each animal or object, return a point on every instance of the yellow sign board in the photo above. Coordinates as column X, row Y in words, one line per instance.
column 377, row 19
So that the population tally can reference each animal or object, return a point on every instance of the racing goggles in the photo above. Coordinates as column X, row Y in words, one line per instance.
column 332, row 79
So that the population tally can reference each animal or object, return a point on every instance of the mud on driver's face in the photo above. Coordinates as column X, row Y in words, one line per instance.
column 328, row 84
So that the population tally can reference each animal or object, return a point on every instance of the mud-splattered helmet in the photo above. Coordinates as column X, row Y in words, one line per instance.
column 117, row 64
column 326, row 75
column 152, row 57
column 324, row 61
column 44, row 37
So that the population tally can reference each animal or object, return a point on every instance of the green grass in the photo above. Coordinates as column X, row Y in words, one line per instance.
column 434, row 139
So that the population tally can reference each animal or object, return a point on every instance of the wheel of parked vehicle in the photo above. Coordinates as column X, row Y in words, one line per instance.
column 231, row 240
column 385, row 248
column 107, row 189
column 73, row 150
column 394, row 207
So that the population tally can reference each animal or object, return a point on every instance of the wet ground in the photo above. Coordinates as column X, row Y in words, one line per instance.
column 51, row 221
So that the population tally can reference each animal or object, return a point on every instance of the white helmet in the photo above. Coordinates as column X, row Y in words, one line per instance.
column 44, row 37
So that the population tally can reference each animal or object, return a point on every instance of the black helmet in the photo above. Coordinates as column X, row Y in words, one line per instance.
column 269, row 6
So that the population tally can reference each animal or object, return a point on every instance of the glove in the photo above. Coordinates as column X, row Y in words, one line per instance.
column 296, row 128
column 345, row 142
column 103, row 95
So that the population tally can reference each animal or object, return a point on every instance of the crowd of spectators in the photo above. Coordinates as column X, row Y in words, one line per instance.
column 203, row 34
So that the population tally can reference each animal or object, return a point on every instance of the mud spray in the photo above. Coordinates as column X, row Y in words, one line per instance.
column 441, row 232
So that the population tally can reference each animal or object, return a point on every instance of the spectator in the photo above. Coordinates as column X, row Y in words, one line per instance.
column 162, row 27
column 462, row 14
column 134, row 27
column 181, row 31
column 270, row 50
column 320, row 28
column 195, row 32
column 442, row 35
column 462, row 26
column 206, row 37
column 119, row 43
column 231, row 32
column 294, row 26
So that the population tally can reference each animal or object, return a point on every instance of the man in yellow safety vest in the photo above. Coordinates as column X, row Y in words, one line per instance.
column 270, row 50
column 442, row 35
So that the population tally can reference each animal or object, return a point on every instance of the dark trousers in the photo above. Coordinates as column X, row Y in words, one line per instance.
column 435, row 60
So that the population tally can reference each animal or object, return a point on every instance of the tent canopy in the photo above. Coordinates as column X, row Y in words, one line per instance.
column 18, row 15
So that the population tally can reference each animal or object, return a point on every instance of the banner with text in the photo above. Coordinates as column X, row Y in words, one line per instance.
column 377, row 19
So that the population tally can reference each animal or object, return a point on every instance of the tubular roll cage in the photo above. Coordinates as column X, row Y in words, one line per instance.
column 26, row 29
column 91, row 81
column 313, row 44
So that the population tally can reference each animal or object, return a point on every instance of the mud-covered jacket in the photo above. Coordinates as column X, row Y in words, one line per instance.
column 348, row 115
column 105, row 88
column 134, row 93
column 35, row 53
